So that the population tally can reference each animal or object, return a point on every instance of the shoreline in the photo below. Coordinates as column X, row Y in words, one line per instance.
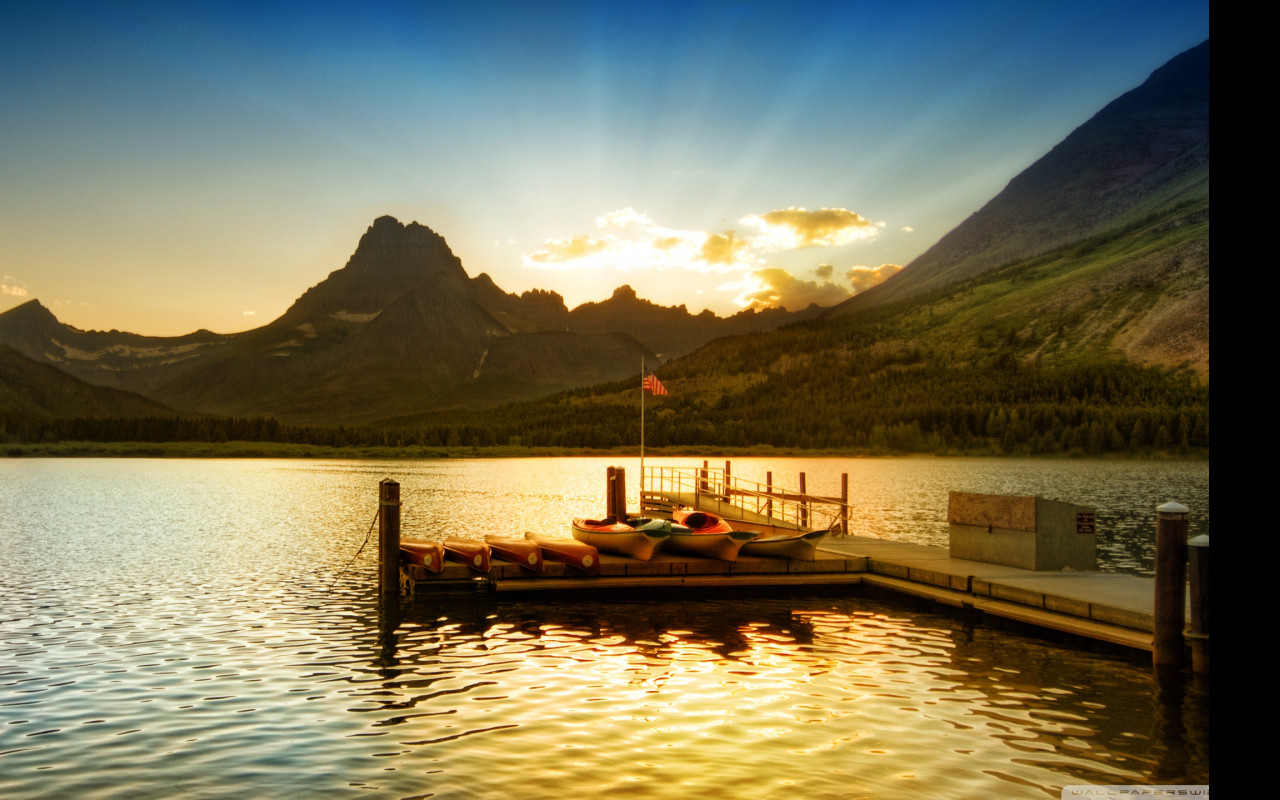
column 390, row 453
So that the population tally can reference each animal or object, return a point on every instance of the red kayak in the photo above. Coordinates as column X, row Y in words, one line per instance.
column 708, row 536
column 523, row 552
column 634, row 538
column 700, row 521
column 468, row 551
column 425, row 554
column 568, row 551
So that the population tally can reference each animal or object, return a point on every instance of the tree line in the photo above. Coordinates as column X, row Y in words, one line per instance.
column 912, row 405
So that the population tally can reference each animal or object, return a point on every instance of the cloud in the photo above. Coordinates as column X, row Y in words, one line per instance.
column 863, row 278
column 624, row 218
column 793, row 228
column 11, row 286
column 774, row 287
column 722, row 248
column 627, row 239
column 572, row 249
column 248, row 313
column 908, row 229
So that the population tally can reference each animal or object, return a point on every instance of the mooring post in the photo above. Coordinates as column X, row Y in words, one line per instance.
column 768, row 490
column 702, row 482
column 726, row 480
column 610, row 496
column 620, row 492
column 804, row 504
column 388, row 536
column 1198, row 631
column 844, row 503
column 1171, row 580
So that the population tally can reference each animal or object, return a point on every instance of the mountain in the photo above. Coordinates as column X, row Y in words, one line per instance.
column 400, row 329
column 672, row 331
column 105, row 358
column 1142, row 155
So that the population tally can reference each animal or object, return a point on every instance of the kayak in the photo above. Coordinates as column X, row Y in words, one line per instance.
column 523, row 552
column 702, row 533
column 636, row 538
column 568, row 551
column 723, row 545
column 700, row 521
column 800, row 546
column 468, row 551
column 425, row 554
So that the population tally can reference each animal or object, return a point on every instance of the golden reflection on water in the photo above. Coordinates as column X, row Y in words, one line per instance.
column 840, row 699
column 205, row 631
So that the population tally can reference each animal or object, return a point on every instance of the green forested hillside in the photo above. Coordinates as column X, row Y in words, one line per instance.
column 1041, row 356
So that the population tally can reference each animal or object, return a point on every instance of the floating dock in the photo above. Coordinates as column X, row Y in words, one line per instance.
column 1104, row 607
column 1116, row 609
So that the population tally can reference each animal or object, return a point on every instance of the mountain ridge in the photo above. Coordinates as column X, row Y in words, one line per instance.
column 1144, row 152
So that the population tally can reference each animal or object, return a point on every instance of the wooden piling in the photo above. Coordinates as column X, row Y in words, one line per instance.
column 702, row 479
column 1198, row 584
column 768, row 490
column 610, row 495
column 1171, row 578
column 804, row 506
column 388, row 536
column 844, row 503
column 620, row 492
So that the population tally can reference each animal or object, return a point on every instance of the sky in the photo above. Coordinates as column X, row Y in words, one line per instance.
column 166, row 167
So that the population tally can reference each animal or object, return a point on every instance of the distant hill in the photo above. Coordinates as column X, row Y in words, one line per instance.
column 671, row 331
column 106, row 358
column 37, row 392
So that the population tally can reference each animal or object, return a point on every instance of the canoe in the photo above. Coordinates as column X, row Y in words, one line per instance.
column 578, row 555
column 636, row 538
column 800, row 546
column 700, row 521
column 723, row 546
column 425, row 554
column 523, row 552
column 468, row 551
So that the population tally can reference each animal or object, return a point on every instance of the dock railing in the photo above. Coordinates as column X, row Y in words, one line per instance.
column 714, row 489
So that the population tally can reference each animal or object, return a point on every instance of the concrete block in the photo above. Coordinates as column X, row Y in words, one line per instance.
column 1068, row 605
column 1016, row 594
column 887, row 568
column 1137, row 620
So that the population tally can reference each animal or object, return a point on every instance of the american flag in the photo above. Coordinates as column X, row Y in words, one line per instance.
column 652, row 383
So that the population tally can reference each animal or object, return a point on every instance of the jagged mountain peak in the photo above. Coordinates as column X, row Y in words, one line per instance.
column 33, row 309
column 388, row 235
column 392, row 258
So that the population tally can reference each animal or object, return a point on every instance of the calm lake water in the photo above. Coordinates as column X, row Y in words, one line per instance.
column 204, row 628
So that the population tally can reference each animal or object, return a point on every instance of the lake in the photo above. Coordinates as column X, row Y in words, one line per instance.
column 205, row 628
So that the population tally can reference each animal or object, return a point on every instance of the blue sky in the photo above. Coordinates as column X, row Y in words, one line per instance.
column 168, row 167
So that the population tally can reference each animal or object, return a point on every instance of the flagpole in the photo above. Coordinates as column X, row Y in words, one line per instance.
column 642, row 430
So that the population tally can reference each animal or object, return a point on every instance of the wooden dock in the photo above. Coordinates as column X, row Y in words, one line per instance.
column 1118, row 610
